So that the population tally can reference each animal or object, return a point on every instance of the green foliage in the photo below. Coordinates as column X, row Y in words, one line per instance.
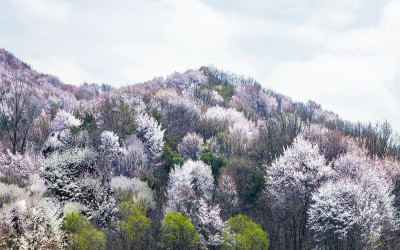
column 77, row 129
column 156, row 115
column 82, row 233
column 88, row 120
column 24, row 64
column 214, row 161
column 126, row 120
column 254, row 188
column 88, row 123
column 171, row 158
column 213, row 81
column 177, row 232
column 241, row 169
column 149, row 178
column 225, row 91
column 229, row 145
column 5, row 123
column 210, row 128
column 135, row 226
column 242, row 233
column 172, row 140
column 118, row 117
column 122, row 195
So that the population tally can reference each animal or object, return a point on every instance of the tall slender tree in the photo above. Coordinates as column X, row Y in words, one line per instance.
column 18, row 109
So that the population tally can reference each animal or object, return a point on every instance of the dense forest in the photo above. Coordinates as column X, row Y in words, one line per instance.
column 204, row 159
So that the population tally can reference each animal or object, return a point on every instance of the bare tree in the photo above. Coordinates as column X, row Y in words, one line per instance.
column 18, row 109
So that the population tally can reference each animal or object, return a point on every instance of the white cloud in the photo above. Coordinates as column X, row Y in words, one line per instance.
column 354, row 74
column 192, row 35
column 48, row 10
column 62, row 67
column 333, row 17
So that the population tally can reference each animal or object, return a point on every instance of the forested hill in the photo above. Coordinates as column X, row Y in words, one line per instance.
column 206, row 155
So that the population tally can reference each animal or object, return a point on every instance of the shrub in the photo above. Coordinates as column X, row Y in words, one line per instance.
column 171, row 158
column 254, row 188
column 225, row 91
column 135, row 226
column 214, row 161
column 242, row 233
column 82, row 233
column 177, row 232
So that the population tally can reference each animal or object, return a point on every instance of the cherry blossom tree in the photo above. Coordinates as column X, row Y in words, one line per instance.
column 133, row 157
column 292, row 178
column 191, row 146
column 211, row 97
column 64, row 120
column 186, row 81
column 109, row 144
column 209, row 224
column 133, row 189
column 357, row 205
column 29, row 221
column 150, row 132
column 96, row 198
column 15, row 168
column 61, row 136
column 190, row 190
column 233, row 119
column 256, row 98
column 351, row 213
column 71, row 175
column 351, row 164
column 334, row 213
column 193, row 179
column 61, row 170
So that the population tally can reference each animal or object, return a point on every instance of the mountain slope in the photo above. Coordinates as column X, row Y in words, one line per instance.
column 229, row 163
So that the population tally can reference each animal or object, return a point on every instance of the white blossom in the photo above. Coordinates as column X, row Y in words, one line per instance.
column 138, row 191
column 359, row 195
column 292, row 178
column 15, row 168
column 32, row 223
column 209, row 224
column 152, row 135
column 64, row 120
column 73, row 207
column 191, row 146
column 185, row 81
column 334, row 209
column 235, row 120
column 38, row 185
column 109, row 144
column 299, row 170
column 189, row 192
column 133, row 156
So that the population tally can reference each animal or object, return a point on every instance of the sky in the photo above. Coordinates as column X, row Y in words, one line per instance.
column 343, row 54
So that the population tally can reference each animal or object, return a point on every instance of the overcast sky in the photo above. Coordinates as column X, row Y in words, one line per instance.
column 344, row 54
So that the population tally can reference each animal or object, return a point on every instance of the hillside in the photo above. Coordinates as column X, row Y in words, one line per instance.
column 230, row 164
